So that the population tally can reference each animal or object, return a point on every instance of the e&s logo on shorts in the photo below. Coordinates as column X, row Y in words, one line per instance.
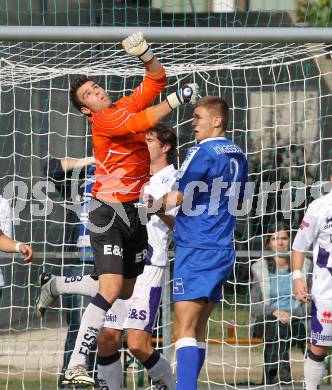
column 113, row 250
column 178, row 286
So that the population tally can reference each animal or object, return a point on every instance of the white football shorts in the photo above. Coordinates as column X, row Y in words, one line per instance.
column 321, row 323
column 141, row 310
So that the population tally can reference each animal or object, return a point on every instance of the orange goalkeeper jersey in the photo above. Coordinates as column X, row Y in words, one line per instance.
column 118, row 137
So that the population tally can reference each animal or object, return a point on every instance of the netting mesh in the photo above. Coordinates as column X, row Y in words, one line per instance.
column 25, row 63
column 280, row 115
column 280, row 98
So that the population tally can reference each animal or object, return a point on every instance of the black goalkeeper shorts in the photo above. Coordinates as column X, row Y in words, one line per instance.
column 118, row 239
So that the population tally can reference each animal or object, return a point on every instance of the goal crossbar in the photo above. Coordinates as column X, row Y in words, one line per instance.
column 167, row 34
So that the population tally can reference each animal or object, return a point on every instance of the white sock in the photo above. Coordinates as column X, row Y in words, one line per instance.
column 313, row 373
column 110, row 372
column 82, row 285
column 161, row 372
column 92, row 321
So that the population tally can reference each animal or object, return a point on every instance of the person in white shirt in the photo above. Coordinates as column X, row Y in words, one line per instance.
column 5, row 227
column 7, row 244
column 11, row 246
column 138, row 314
column 5, row 217
column 316, row 230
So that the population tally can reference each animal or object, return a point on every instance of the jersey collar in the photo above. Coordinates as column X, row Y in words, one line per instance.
column 164, row 172
column 212, row 139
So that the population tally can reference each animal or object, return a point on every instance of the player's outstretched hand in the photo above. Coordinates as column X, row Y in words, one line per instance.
column 136, row 45
column 26, row 251
column 187, row 94
column 301, row 290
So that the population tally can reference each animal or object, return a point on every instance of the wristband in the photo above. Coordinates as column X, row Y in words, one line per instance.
column 297, row 274
column 147, row 55
column 173, row 100
column 17, row 247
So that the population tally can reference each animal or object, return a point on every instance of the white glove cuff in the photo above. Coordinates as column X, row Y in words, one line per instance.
column 173, row 100
column 147, row 55
column 297, row 274
column 17, row 247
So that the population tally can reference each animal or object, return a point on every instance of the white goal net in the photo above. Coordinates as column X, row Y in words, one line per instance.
column 280, row 99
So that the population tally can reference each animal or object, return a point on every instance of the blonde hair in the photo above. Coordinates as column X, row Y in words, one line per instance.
column 217, row 104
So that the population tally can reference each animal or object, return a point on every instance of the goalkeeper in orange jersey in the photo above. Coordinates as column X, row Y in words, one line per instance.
column 118, row 238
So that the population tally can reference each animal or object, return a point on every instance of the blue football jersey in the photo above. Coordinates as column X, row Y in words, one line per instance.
column 212, row 179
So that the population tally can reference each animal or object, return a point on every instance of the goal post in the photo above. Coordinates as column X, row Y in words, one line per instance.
column 278, row 83
column 168, row 34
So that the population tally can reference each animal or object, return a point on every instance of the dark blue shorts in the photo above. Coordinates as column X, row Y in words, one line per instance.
column 200, row 273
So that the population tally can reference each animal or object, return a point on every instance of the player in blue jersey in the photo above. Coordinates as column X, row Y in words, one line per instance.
column 210, row 184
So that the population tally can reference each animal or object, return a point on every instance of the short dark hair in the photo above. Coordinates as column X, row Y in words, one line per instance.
column 75, row 85
column 166, row 136
column 217, row 104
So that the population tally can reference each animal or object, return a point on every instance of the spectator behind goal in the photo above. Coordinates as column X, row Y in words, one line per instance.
column 276, row 316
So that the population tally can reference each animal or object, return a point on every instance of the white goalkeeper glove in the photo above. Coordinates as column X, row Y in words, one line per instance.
column 136, row 45
column 187, row 94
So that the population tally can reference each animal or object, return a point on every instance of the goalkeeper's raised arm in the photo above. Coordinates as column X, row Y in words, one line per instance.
column 135, row 45
column 150, row 117
column 130, row 114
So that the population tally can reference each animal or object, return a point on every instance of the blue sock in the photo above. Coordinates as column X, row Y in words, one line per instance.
column 187, row 355
column 201, row 349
